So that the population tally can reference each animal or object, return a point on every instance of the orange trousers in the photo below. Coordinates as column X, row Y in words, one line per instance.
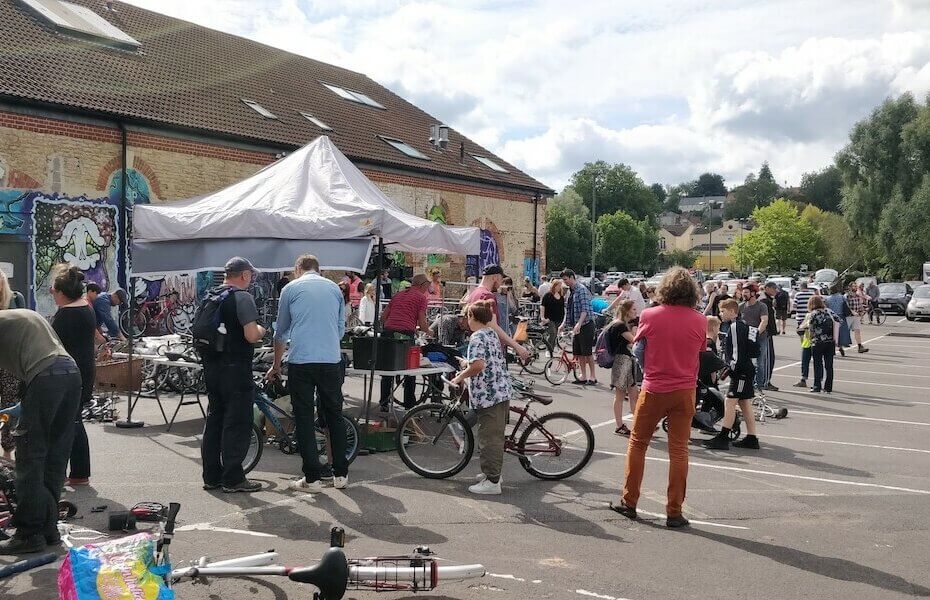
column 678, row 406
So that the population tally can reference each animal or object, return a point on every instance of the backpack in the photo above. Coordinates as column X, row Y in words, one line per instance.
column 205, row 328
column 602, row 353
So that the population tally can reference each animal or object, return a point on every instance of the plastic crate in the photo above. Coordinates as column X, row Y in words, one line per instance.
column 376, row 437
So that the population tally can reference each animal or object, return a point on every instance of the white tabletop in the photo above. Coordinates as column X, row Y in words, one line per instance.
column 436, row 369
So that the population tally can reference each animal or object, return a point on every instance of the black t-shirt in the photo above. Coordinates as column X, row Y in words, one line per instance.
column 715, row 305
column 771, row 328
column 781, row 300
column 555, row 307
column 75, row 326
column 616, row 343
column 238, row 309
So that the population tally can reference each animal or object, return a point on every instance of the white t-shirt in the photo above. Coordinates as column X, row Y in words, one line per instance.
column 637, row 297
column 544, row 288
column 366, row 310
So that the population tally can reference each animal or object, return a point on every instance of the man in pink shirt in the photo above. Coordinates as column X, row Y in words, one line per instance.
column 674, row 334
column 490, row 281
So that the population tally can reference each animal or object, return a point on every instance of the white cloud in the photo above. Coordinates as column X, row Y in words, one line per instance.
column 672, row 88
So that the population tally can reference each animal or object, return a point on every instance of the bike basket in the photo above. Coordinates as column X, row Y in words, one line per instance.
column 114, row 570
column 115, row 375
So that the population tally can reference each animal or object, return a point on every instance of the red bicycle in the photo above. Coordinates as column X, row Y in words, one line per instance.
column 558, row 367
column 165, row 310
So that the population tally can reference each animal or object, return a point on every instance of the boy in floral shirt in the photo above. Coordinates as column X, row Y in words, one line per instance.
column 489, row 392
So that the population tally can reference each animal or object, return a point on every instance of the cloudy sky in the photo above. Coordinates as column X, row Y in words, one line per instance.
column 670, row 87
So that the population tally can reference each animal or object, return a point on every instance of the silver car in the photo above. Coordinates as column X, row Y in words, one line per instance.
column 919, row 306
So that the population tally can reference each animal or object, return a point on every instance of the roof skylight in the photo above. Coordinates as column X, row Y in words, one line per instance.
column 489, row 163
column 316, row 121
column 80, row 20
column 405, row 148
column 259, row 109
column 353, row 96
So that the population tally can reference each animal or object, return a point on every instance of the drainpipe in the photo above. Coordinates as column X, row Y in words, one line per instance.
column 535, row 230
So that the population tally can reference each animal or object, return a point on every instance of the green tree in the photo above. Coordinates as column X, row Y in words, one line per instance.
column 674, row 193
column 838, row 249
column 658, row 190
column 650, row 233
column 781, row 240
column 823, row 189
column 683, row 258
column 568, row 239
column 619, row 241
column 710, row 184
column 571, row 201
column 755, row 192
column 618, row 188
column 904, row 231
column 874, row 164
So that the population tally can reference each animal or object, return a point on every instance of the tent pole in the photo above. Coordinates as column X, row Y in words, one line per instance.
column 377, row 331
column 129, row 423
column 130, row 283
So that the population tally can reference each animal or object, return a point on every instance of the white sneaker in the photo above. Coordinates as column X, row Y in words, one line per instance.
column 301, row 485
column 480, row 477
column 486, row 487
column 341, row 483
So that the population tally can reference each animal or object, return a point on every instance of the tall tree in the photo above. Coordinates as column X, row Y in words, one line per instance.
column 658, row 190
column 823, row 189
column 709, row 184
column 619, row 241
column 779, row 241
column 571, row 201
column 755, row 192
column 618, row 188
column 568, row 239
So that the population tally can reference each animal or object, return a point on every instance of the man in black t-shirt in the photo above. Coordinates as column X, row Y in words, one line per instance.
column 230, row 390
column 768, row 298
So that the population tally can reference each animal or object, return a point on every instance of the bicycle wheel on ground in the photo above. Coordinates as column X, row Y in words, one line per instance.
column 434, row 442
column 256, row 445
column 536, row 363
column 353, row 435
column 556, row 371
column 880, row 316
column 556, row 446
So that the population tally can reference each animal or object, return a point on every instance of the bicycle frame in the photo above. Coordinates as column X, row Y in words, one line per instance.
column 510, row 442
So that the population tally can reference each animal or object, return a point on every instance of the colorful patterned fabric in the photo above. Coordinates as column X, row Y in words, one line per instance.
column 492, row 385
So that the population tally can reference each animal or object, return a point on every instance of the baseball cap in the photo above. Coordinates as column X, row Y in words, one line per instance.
column 237, row 264
column 493, row 270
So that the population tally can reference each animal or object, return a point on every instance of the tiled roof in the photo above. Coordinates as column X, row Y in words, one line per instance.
column 192, row 78
column 676, row 230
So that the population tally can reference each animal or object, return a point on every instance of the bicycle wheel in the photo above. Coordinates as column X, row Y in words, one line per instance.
column 179, row 320
column 880, row 316
column 556, row 371
column 134, row 324
column 434, row 442
column 556, row 446
column 256, row 445
column 536, row 363
column 353, row 435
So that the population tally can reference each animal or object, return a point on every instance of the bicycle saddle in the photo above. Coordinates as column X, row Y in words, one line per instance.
column 544, row 400
column 176, row 356
column 330, row 575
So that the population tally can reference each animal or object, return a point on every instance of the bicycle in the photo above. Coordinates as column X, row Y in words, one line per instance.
column 436, row 440
column 878, row 315
column 166, row 309
column 558, row 367
column 287, row 441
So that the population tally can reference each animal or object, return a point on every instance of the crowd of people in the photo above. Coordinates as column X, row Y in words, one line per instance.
column 655, row 339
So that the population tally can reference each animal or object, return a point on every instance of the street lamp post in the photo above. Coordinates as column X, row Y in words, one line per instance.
column 593, row 225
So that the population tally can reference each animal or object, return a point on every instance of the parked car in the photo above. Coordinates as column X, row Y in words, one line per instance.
column 919, row 306
column 615, row 275
column 784, row 283
column 757, row 276
column 867, row 280
column 824, row 279
column 894, row 297
column 613, row 290
column 723, row 276
column 655, row 280
column 635, row 275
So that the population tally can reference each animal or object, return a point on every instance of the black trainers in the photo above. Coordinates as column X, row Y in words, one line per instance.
column 676, row 522
column 842, row 351
column 622, row 509
column 801, row 384
column 244, row 486
column 211, row 486
column 718, row 442
column 750, row 441
column 862, row 349
column 22, row 545
column 770, row 388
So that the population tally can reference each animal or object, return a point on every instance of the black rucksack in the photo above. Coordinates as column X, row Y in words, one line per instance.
column 207, row 321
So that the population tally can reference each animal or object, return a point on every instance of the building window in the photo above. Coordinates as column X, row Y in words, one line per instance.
column 83, row 22
column 405, row 148
column 316, row 121
column 662, row 243
column 489, row 163
column 259, row 109
column 354, row 96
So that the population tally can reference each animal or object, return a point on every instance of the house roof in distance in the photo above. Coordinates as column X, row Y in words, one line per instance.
column 194, row 79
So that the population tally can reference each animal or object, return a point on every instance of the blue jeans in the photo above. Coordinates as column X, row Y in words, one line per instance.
column 806, row 356
column 763, row 372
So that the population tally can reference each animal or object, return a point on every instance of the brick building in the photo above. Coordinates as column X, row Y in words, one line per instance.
column 94, row 94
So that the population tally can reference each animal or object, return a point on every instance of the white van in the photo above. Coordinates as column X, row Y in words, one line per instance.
column 927, row 272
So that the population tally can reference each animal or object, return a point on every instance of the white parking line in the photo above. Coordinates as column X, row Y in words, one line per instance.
column 693, row 521
column 894, row 385
column 901, row 320
column 882, row 373
column 893, row 488
column 836, row 416
column 794, row 364
column 799, row 439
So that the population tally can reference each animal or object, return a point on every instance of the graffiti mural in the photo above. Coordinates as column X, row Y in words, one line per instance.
column 137, row 187
column 531, row 269
column 490, row 253
column 14, row 218
column 78, row 231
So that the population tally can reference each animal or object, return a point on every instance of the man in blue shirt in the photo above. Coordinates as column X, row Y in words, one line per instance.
column 311, row 318
column 579, row 315
column 103, row 303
